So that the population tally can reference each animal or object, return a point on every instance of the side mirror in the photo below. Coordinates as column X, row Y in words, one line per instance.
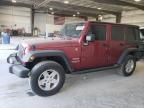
column 90, row 38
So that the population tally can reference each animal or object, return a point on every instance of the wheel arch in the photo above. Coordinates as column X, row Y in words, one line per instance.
column 129, row 51
column 52, row 55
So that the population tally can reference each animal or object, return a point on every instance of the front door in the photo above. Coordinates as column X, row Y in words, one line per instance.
column 95, row 54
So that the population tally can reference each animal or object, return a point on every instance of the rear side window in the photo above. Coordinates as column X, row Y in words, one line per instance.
column 137, row 32
column 99, row 31
column 131, row 34
column 117, row 33
column 142, row 31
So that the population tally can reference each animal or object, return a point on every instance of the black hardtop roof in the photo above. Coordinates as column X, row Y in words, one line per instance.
column 114, row 23
column 121, row 24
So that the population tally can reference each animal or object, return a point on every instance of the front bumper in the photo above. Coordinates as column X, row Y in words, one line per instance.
column 16, row 67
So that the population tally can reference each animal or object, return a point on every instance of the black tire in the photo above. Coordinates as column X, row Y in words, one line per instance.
column 38, row 69
column 123, row 71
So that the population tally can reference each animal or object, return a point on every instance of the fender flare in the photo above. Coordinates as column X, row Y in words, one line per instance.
column 125, row 54
column 47, row 53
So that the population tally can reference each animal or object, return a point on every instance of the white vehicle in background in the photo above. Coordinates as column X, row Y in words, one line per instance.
column 142, row 33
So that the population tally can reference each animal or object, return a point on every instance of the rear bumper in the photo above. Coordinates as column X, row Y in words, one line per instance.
column 16, row 67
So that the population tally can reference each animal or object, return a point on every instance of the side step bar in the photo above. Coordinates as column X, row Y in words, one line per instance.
column 95, row 70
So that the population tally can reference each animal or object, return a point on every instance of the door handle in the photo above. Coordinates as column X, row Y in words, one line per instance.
column 104, row 45
column 122, row 44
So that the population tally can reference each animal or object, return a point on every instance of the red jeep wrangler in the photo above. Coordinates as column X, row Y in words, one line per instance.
column 81, row 47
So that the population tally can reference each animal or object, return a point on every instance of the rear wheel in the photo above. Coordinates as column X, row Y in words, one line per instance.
column 128, row 67
column 47, row 78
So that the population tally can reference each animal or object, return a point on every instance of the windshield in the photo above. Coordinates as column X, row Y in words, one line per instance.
column 72, row 30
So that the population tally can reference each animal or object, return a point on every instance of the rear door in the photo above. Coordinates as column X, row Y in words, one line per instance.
column 117, row 43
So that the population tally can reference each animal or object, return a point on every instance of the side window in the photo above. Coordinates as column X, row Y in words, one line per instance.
column 99, row 31
column 117, row 33
column 137, row 32
column 130, row 34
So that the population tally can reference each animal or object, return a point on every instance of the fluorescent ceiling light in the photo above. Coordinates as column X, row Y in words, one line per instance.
column 99, row 8
column 66, row 2
column 137, row 0
column 50, row 8
column 99, row 15
column 74, row 15
column 78, row 13
column 14, row 1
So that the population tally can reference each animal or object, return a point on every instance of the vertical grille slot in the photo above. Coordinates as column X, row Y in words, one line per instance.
column 21, row 50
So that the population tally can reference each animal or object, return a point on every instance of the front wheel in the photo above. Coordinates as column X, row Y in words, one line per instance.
column 47, row 78
column 128, row 67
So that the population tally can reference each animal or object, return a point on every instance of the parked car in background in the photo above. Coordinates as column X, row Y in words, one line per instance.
column 0, row 39
column 142, row 33
column 81, row 47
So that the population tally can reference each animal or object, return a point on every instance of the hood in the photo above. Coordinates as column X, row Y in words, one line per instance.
column 44, row 43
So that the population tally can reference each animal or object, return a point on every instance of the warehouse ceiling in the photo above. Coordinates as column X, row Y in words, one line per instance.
column 78, row 7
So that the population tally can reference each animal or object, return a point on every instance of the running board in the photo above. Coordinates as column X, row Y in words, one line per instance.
column 95, row 70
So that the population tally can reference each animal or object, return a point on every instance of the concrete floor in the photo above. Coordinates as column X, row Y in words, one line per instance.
column 103, row 89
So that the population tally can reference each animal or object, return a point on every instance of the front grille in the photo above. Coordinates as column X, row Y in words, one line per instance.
column 21, row 50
